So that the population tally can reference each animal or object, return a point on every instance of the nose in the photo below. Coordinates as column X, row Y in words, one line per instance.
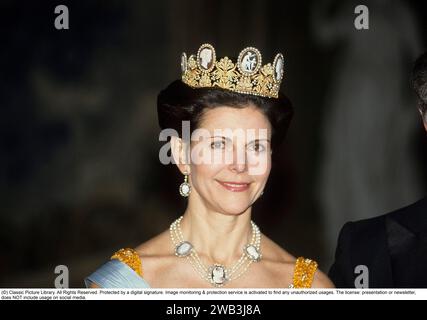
column 239, row 163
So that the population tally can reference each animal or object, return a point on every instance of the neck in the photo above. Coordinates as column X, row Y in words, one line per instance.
column 217, row 237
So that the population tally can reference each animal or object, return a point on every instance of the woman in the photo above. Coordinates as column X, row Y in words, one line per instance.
column 237, row 117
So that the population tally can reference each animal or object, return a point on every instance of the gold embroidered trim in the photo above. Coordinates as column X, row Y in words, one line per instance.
column 130, row 257
column 304, row 273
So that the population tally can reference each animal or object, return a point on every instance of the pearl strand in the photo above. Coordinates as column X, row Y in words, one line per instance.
column 204, row 272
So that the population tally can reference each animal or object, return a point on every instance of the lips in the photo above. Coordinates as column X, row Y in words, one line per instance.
column 234, row 186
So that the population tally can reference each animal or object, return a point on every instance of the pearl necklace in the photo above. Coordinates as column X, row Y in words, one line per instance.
column 216, row 274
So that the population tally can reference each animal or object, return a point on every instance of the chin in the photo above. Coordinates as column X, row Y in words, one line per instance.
column 235, row 209
column 231, row 203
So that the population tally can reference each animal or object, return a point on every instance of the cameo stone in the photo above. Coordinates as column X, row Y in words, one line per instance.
column 183, row 249
column 218, row 275
column 253, row 253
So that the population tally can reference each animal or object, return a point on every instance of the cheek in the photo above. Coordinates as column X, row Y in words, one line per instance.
column 262, row 178
column 259, row 166
column 203, row 173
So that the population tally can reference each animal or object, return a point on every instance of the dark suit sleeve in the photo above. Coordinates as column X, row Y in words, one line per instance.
column 341, row 273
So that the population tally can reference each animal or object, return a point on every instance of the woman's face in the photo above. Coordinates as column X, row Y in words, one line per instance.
column 231, row 160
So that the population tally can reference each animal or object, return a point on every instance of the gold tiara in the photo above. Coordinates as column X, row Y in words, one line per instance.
column 248, row 76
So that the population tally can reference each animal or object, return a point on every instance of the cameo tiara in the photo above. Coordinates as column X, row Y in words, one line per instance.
column 247, row 76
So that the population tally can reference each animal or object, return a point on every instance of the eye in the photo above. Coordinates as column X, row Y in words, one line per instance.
column 218, row 145
column 256, row 147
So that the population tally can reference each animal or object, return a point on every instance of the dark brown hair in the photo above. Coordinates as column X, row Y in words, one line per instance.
column 179, row 102
column 419, row 81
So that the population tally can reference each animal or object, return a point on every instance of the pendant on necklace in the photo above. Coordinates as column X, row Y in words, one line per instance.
column 218, row 275
column 183, row 249
column 252, row 253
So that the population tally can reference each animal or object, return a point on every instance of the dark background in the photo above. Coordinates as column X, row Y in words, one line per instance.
column 79, row 169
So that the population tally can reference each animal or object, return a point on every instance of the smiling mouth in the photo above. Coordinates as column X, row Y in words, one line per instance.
column 234, row 186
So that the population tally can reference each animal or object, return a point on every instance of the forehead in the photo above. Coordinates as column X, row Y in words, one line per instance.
column 224, row 117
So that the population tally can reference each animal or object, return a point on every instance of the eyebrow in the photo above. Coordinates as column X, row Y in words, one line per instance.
column 255, row 140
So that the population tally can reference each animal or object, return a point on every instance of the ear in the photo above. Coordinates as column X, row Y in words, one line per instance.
column 180, row 151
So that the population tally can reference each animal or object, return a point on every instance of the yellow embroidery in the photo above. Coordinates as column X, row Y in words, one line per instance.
column 304, row 273
column 130, row 257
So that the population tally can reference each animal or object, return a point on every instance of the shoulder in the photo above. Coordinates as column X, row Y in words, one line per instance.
column 273, row 252
column 363, row 227
column 277, row 259
column 287, row 267
column 376, row 226
column 356, row 236
column 276, row 267
column 413, row 214
column 121, row 271
column 157, row 246
column 365, row 242
column 132, row 267
column 157, row 257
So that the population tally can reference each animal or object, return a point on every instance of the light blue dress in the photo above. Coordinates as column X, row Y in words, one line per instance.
column 116, row 274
